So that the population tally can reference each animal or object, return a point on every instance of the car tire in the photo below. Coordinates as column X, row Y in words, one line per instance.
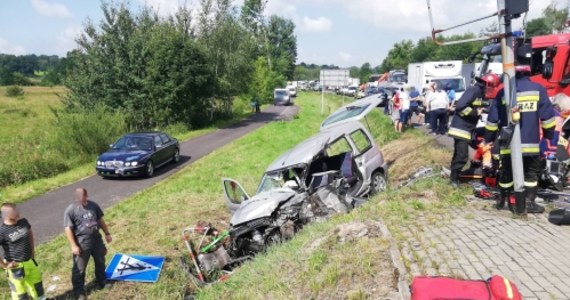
column 377, row 183
column 176, row 156
column 149, row 170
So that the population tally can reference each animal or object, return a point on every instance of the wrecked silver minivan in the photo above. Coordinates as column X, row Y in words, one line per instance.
column 324, row 175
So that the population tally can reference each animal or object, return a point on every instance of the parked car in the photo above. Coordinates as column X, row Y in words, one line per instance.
column 138, row 154
column 351, row 91
column 292, row 91
column 281, row 97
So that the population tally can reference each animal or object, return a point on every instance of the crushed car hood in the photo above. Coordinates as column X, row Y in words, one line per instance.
column 123, row 155
column 261, row 205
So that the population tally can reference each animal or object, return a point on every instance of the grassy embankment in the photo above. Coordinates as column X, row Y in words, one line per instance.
column 27, row 144
column 312, row 265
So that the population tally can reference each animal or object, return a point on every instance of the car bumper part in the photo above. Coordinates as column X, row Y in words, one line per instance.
column 122, row 172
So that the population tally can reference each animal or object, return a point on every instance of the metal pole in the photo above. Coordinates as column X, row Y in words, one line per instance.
column 322, row 92
column 510, row 94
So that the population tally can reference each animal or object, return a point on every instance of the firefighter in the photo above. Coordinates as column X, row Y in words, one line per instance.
column 467, row 112
column 534, row 111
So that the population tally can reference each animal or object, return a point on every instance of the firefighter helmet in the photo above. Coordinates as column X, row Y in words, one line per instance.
column 492, row 83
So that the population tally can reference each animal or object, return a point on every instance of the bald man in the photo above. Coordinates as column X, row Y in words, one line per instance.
column 82, row 220
column 17, row 240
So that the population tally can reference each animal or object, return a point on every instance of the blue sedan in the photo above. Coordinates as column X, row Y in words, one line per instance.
column 138, row 154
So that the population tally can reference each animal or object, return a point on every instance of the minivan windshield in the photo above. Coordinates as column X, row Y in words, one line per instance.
column 351, row 111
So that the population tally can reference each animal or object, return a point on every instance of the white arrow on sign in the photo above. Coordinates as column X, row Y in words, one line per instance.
column 129, row 265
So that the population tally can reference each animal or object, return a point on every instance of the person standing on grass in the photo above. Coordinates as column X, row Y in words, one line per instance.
column 82, row 221
column 405, row 99
column 396, row 107
column 17, row 240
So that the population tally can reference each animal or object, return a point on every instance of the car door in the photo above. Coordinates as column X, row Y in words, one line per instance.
column 354, row 111
column 366, row 155
column 160, row 152
column 234, row 194
column 169, row 145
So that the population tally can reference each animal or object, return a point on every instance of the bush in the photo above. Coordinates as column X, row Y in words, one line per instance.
column 14, row 91
column 85, row 134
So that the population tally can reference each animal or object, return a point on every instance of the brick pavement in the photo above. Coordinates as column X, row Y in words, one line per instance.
column 477, row 241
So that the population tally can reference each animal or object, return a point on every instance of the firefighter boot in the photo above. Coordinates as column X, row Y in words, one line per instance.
column 520, row 204
column 453, row 177
column 531, row 206
column 503, row 198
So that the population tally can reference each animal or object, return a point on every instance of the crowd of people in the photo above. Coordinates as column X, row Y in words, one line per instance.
column 430, row 107
column 436, row 104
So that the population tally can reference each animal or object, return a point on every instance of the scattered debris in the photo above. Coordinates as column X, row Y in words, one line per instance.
column 421, row 173
column 355, row 230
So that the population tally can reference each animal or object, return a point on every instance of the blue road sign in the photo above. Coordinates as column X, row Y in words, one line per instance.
column 134, row 268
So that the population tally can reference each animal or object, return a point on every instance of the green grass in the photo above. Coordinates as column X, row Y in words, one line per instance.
column 314, row 264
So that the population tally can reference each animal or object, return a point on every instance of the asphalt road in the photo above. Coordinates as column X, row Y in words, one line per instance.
column 45, row 213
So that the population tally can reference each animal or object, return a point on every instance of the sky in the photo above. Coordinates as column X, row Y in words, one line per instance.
column 340, row 32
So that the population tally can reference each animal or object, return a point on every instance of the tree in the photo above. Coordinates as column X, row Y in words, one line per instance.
column 425, row 50
column 148, row 68
column 365, row 72
column 537, row 27
column 398, row 57
column 555, row 18
column 282, row 44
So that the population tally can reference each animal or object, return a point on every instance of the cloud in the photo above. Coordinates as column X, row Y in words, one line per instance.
column 411, row 16
column 66, row 39
column 7, row 48
column 319, row 24
column 345, row 56
column 51, row 9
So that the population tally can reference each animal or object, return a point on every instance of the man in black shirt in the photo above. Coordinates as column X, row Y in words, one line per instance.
column 17, row 240
column 82, row 221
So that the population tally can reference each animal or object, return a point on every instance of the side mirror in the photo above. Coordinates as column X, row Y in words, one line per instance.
column 547, row 69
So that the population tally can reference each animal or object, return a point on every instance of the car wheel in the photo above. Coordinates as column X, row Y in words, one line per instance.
column 149, row 169
column 176, row 157
column 378, row 183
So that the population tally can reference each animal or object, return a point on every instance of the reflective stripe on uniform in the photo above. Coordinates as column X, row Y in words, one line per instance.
column 506, row 185
column 466, row 111
column 547, row 124
column 505, row 151
column 477, row 102
column 530, row 148
column 459, row 133
column 531, row 183
column 509, row 288
column 530, row 96
column 491, row 126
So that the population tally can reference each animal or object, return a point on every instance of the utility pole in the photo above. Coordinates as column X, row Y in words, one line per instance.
column 510, row 89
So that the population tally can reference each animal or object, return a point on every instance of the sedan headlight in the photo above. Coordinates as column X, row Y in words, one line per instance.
column 128, row 164
column 134, row 163
column 99, row 163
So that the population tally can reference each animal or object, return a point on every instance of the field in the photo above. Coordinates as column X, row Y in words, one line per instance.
column 151, row 222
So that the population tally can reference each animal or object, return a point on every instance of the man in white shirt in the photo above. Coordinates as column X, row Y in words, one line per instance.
column 438, row 105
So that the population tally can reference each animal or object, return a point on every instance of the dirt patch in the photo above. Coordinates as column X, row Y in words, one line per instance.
column 352, row 261
column 406, row 155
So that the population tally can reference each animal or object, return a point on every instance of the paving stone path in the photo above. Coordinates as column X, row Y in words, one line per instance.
column 477, row 242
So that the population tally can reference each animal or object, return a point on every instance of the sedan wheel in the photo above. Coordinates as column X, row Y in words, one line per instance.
column 149, row 169
column 176, row 157
column 378, row 183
